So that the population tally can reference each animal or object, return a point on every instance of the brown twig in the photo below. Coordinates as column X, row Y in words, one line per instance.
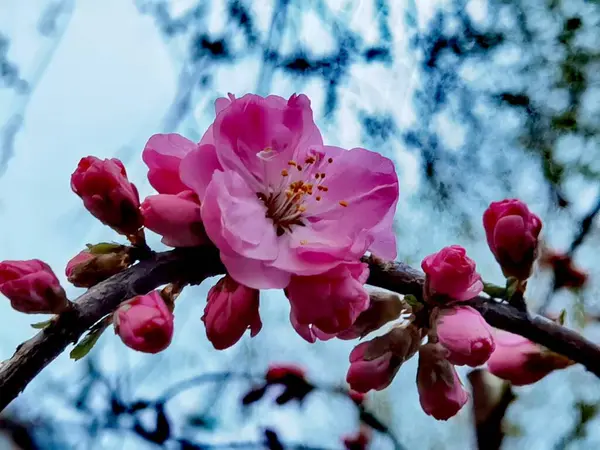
column 399, row 277
column 35, row 354
column 194, row 265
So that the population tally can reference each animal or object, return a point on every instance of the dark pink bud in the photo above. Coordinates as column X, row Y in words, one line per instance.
column 512, row 234
column 32, row 287
column 231, row 309
column 107, row 193
column 358, row 441
column 441, row 392
column 277, row 372
column 176, row 218
column 451, row 275
column 145, row 323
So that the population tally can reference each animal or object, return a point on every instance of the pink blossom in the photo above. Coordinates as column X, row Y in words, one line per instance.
column 107, row 193
column 176, row 218
column 466, row 335
column 451, row 273
column 231, row 309
column 163, row 154
column 331, row 301
column 521, row 361
column 145, row 323
column 32, row 287
column 512, row 235
column 277, row 202
column 441, row 392
column 366, row 374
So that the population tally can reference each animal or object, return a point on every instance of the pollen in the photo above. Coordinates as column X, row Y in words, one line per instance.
column 310, row 160
column 284, row 173
column 344, row 203
column 292, row 163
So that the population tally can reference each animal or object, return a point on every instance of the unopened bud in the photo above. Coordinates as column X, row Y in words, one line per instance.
column 88, row 268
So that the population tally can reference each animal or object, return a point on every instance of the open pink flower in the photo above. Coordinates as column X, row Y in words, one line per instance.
column 441, row 392
column 32, row 287
column 231, row 309
column 107, row 193
column 277, row 202
column 331, row 301
column 512, row 234
column 145, row 323
column 163, row 154
column 175, row 217
column 452, row 274
column 466, row 335
column 521, row 361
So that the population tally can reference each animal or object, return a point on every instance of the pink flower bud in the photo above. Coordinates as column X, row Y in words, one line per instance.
column 87, row 269
column 331, row 301
column 32, row 287
column 373, row 364
column 358, row 441
column 145, row 323
column 451, row 273
column 376, row 374
column 441, row 392
column 521, row 361
column 176, row 218
column 231, row 309
column 466, row 335
column 163, row 154
column 277, row 372
column 512, row 235
column 107, row 193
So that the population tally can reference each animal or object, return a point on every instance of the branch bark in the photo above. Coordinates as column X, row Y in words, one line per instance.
column 194, row 265
column 401, row 278
column 33, row 355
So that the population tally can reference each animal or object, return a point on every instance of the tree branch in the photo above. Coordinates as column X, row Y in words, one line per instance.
column 399, row 277
column 194, row 265
column 33, row 355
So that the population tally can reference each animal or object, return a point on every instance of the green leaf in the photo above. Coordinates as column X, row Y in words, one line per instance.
column 562, row 317
column 413, row 302
column 103, row 248
column 84, row 346
column 578, row 311
column 41, row 325
column 494, row 290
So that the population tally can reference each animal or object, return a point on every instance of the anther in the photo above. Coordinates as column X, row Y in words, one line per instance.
column 284, row 173
column 344, row 203
column 330, row 160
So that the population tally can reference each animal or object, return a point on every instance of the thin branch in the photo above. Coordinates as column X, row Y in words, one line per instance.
column 399, row 277
column 194, row 265
column 33, row 355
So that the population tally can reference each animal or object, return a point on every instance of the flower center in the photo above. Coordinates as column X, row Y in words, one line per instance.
column 300, row 186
